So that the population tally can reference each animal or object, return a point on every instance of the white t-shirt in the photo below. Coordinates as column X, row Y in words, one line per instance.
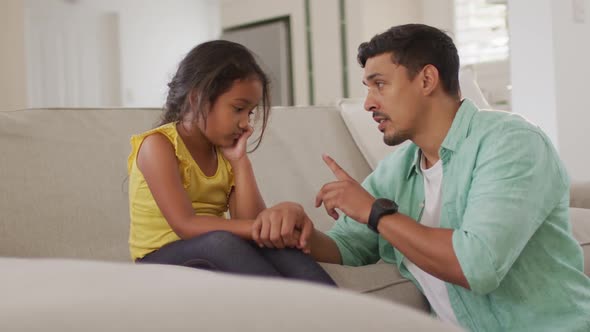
column 434, row 289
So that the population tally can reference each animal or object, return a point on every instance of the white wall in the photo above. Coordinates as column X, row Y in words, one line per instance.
column 326, row 55
column 155, row 36
column 13, row 92
column 238, row 12
column 72, row 55
column 152, row 37
column 380, row 15
column 439, row 13
column 532, row 64
column 549, row 70
column 364, row 20
column 572, row 70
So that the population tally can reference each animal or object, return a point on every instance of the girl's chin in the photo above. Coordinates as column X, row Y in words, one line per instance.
column 227, row 143
column 223, row 142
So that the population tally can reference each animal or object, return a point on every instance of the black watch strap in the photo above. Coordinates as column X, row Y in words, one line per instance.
column 381, row 207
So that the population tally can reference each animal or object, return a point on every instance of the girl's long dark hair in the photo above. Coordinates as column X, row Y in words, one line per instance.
column 209, row 70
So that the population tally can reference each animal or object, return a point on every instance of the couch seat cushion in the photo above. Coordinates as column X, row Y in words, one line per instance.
column 69, row 295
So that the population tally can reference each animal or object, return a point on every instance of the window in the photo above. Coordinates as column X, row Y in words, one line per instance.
column 481, row 34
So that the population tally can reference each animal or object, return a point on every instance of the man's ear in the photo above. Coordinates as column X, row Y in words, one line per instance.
column 430, row 79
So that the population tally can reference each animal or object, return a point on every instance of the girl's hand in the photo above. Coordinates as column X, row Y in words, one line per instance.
column 283, row 225
column 238, row 150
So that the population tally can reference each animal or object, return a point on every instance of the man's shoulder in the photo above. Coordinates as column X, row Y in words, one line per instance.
column 491, row 125
column 499, row 134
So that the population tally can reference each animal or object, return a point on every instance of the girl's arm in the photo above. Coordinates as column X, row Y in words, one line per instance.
column 157, row 162
column 245, row 201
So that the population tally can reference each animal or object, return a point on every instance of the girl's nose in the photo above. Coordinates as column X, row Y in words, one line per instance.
column 244, row 122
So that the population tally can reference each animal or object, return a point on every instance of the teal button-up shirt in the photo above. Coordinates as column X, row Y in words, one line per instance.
column 505, row 194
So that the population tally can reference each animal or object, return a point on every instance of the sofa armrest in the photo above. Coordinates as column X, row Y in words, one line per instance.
column 381, row 280
column 580, row 195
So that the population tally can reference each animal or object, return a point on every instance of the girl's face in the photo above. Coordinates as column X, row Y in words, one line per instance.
column 229, row 116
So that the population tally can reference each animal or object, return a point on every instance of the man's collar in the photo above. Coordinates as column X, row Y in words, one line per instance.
column 415, row 167
column 456, row 135
column 460, row 126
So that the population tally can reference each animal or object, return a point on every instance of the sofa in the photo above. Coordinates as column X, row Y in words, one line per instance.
column 64, row 207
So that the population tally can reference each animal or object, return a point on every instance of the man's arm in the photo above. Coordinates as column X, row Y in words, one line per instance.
column 324, row 249
column 431, row 249
column 517, row 183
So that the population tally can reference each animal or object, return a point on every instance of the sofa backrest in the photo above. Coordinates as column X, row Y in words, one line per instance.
column 63, row 189
column 63, row 181
column 289, row 165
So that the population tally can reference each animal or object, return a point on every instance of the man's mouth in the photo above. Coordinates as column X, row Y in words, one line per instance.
column 381, row 120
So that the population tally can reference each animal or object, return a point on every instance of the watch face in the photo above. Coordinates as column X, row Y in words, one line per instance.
column 386, row 203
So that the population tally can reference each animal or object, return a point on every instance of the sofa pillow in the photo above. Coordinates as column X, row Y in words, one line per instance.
column 364, row 131
column 470, row 89
column 580, row 219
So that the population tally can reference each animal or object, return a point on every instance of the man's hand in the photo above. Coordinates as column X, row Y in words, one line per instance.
column 346, row 194
column 238, row 150
column 283, row 225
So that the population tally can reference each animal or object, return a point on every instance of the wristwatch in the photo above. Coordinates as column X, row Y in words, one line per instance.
column 381, row 207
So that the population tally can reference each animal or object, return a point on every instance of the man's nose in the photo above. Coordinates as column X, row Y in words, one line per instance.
column 370, row 104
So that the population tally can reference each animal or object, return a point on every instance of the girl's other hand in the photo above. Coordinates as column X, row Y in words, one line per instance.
column 238, row 150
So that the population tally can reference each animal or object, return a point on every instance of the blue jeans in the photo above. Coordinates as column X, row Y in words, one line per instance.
column 225, row 252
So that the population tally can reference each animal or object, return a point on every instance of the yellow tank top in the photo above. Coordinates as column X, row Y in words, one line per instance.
column 209, row 195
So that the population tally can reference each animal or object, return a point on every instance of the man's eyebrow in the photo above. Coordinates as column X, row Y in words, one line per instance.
column 371, row 77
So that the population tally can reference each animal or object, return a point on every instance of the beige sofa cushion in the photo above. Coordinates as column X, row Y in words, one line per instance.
column 61, row 295
column 64, row 192
column 581, row 228
column 580, row 194
column 382, row 280
column 63, row 173
column 289, row 166
column 364, row 132
column 63, row 176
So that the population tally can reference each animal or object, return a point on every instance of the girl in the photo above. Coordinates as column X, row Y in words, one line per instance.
column 186, row 173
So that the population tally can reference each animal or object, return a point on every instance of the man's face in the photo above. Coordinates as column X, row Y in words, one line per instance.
column 394, row 100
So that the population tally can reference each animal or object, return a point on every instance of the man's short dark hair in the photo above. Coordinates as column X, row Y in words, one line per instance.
column 415, row 46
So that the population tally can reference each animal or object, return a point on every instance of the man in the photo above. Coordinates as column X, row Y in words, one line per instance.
column 474, row 211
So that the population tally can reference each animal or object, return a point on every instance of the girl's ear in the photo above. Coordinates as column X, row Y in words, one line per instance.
column 198, row 108
column 193, row 99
